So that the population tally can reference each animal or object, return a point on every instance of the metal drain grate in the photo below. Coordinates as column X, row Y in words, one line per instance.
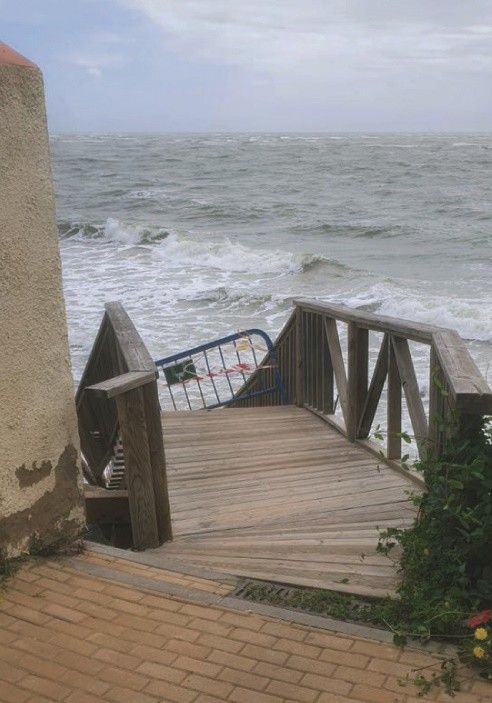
column 263, row 591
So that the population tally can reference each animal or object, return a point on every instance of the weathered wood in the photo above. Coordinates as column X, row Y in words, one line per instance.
column 299, row 358
column 393, row 409
column 138, row 468
column 133, row 350
column 411, row 391
column 103, row 506
column 157, row 461
column 285, row 498
column 417, row 331
column 120, row 384
column 337, row 362
column 470, row 391
column 375, row 389
column 358, row 350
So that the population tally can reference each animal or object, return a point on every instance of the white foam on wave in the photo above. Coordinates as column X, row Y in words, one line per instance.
column 469, row 317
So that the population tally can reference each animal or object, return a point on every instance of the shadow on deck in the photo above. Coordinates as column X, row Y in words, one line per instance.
column 274, row 493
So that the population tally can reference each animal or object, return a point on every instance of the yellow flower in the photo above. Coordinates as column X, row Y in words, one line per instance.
column 478, row 652
column 481, row 633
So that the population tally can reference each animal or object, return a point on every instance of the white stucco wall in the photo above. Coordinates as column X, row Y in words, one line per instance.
column 40, row 484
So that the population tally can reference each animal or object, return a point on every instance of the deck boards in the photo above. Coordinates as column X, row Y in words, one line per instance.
column 275, row 493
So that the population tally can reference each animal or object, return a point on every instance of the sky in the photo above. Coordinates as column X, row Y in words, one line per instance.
column 259, row 65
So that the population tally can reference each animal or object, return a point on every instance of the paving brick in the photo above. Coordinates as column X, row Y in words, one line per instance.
column 89, row 684
column 225, row 644
column 9, row 672
column 259, row 638
column 189, row 649
column 169, row 616
column 170, row 692
column 153, row 654
column 72, row 644
column 124, row 593
column 235, row 661
column 41, row 649
column 41, row 667
column 74, row 660
column 303, row 650
column 189, row 634
column 125, row 661
column 349, row 673
column 117, row 676
column 289, row 690
column 150, row 638
column 118, row 644
column 391, row 668
column 21, row 612
column 375, row 695
column 160, row 602
column 200, row 611
column 83, row 697
column 312, row 666
column 210, row 626
column 375, row 649
column 44, row 687
column 357, row 661
column 126, row 695
column 161, row 671
column 326, row 683
column 196, row 666
column 325, row 639
column 281, row 629
column 249, row 621
column 63, row 613
column 271, row 656
column 280, row 673
column 244, row 679
column 244, row 695
column 327, row 697
column 211, row 687
column 12, row 694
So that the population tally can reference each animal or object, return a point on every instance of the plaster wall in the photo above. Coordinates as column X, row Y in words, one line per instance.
column 40, row 478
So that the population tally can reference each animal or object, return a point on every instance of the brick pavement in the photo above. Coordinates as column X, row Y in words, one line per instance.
column 66, row 636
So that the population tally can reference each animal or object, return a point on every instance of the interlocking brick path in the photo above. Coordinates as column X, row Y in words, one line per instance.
column 66, row 636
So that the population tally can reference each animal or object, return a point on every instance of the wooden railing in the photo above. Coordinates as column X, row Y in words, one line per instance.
column 318, row 375
column 118, row 393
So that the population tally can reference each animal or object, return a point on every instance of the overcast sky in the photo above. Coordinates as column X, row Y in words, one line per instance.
column 259, row 65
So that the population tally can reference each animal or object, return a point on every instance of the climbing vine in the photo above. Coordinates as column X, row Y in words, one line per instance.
column 445, row 558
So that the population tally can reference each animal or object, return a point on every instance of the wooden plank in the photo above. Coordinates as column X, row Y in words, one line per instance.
column 138, row 469
column 375, row 390
column 393, row 409
column 358, row 352
column 417, row 331
column 120, row 384
column 411, row 390
column 133, row 349
column 471, row 392
column 333, row 340
column 157, row 461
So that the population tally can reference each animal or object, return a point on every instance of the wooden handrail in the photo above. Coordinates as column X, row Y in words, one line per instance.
column 458, row 391
column 118, row 394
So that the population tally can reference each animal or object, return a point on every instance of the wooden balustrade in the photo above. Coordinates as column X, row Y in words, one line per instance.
column 312, row 364
column 118, row 393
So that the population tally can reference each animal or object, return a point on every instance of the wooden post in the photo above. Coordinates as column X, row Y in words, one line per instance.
column 393, row 446
column 436, row 406
column 299, row 359
column 358, row 353
column 138, row 466
column 157, row 461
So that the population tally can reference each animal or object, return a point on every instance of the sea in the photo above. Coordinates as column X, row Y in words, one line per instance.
column 200, row 235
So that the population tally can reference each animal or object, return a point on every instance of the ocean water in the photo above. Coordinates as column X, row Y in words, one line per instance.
column 202, row 235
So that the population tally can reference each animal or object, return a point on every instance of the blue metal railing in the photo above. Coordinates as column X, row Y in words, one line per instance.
column 212, row 375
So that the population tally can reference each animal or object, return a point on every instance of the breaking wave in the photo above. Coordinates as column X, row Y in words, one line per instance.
column 177, row 250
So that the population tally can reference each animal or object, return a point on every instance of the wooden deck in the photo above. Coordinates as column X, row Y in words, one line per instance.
column 275, row 493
